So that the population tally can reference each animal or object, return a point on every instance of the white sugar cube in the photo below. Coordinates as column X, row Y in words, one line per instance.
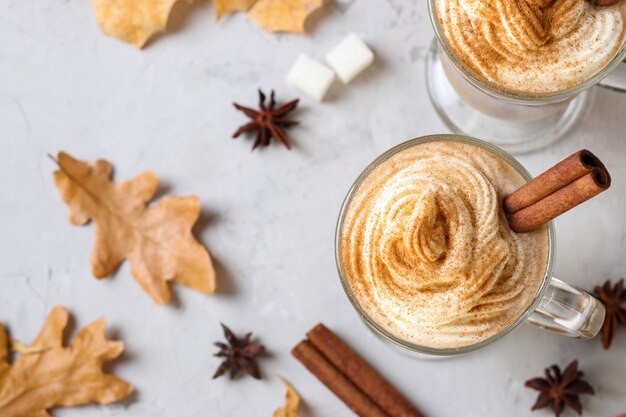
column 350, row 57
column 311, row 77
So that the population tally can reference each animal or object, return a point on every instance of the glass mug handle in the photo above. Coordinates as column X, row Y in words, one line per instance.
column 616, row 81
column 567, row 310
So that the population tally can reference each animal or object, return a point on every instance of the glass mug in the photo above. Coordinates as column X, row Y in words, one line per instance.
column 557, row 306
column 515, row 121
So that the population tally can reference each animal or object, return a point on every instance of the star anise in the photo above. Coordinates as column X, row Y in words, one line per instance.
column 238, row 355
column 614, row 300
column 557, row 390
column 268, row 121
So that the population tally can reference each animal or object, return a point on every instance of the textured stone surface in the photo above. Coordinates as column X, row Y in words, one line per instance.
column 269, row 215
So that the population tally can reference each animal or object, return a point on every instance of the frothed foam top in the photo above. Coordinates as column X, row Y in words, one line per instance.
column 427, row 251
column 535, row 46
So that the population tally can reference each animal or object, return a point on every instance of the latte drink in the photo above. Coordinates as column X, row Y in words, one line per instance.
column 533, row 46
column 427, row 252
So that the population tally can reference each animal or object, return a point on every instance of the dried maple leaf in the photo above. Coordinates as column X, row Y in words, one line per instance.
column 133, row 21
column 19, row 347
column 224, row 7
column 156, row 240
column 283, row 15
column 59, row 376
column 292, row 402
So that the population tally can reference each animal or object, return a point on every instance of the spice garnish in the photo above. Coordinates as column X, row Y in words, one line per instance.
column 614, row 300
column 268, row 121
column 569, row 183
column 557, row 390
column 353, row 380
column 238, row 354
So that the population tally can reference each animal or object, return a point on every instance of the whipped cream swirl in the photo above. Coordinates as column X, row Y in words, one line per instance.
column 427, row 250
column 534, row 46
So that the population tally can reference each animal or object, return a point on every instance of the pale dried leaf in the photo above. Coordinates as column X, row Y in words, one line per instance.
column 292, row 402
column 4, row 349
column 224, row 7
column 59, row 376
column 19, row 347
column 283, row 15
column 133, row 21
column 156, row 240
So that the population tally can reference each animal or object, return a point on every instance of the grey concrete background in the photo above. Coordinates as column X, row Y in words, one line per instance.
column 269, row 216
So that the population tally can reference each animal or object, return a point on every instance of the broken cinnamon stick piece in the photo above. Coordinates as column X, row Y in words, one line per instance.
column 361, row 373
column 560, row 201
column 335, row 381
column 557, row 177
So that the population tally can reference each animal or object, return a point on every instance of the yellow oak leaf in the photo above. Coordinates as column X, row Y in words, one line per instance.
column 224, row 7
column 283, row 15
column 59, row 376
column 292, row 402
column 19, row 347
column 133, row 21
column 157, row 240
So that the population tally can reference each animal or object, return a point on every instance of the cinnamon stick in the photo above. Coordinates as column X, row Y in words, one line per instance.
column 341, row 386
column 560, row 201
column 361, row 373
column 557, row 177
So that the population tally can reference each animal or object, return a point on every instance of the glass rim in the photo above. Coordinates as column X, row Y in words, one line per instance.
column 380, row 330
column 503, row 92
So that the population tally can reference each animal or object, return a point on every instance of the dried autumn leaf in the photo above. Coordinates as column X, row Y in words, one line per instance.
column 283, row 15
column 292, row 402
column 224, row 7
column 19, row 347
column 59, row 376
column 133, row 21
column 156, row 240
